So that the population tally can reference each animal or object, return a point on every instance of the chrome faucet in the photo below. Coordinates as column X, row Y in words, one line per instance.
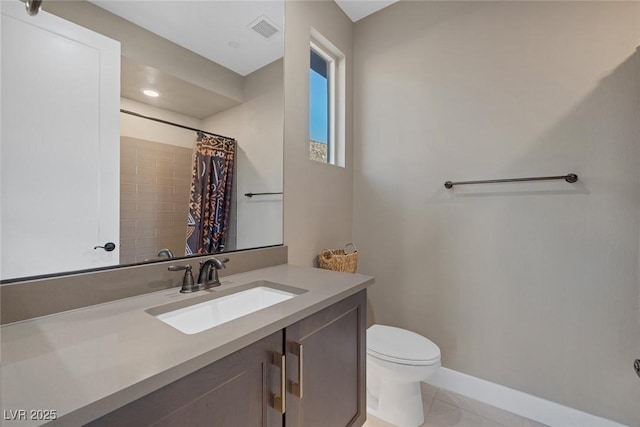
column 208, row 276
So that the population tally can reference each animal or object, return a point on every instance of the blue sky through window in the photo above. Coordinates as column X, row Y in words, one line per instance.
column 318, row 103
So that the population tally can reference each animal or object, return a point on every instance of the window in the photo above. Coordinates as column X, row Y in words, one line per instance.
column 326, row 102
column 319, row 102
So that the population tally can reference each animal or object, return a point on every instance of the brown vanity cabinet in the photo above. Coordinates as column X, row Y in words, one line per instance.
column 324, row 380
column 326, row 355
column 234, row 391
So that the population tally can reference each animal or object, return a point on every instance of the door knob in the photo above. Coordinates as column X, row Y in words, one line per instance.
column 109, row 246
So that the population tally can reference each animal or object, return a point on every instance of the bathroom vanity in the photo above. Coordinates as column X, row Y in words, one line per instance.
column 322, row 357
column 299, row 362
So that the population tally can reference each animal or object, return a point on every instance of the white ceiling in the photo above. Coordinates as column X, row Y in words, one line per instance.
column 207, row 28
column 358, row 9
column 177, row 95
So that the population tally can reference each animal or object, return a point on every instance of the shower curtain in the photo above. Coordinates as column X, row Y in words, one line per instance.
column 210, row 200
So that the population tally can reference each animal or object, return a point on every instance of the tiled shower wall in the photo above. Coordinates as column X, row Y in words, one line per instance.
column 155, row 182
column 154, row 198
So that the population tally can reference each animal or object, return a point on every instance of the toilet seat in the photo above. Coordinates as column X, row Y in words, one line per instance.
column 401, row 346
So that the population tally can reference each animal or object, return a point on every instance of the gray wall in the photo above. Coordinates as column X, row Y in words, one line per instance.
column 318, row 206
column 256, row 124
column 533, row 286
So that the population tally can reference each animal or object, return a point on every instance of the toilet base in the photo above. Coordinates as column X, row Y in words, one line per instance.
column 398, row 403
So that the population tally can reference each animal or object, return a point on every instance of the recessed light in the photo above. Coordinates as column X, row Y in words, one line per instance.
column 234, row 45
column 150, row 92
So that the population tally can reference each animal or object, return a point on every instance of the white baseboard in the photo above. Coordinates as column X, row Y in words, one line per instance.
column 517, row 402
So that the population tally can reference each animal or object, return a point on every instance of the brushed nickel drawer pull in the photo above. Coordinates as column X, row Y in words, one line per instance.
column 297, row 387
column 279, row 401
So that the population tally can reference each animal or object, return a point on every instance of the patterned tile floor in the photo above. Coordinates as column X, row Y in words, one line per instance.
column 446, row 409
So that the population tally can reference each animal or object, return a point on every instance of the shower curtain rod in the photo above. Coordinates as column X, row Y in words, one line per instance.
column 172, row 124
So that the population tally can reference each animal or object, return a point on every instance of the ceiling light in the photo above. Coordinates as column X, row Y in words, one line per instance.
column 151, row 93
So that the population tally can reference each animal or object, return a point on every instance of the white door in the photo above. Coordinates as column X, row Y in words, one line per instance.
column 60, row 145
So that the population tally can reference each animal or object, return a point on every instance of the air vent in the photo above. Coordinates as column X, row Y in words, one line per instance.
column 264, row 26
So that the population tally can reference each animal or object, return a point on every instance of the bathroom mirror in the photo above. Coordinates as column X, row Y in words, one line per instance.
column 217, row 67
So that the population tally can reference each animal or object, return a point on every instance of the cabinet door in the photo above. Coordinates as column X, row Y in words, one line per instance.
column 236, row 391
column 326, row 356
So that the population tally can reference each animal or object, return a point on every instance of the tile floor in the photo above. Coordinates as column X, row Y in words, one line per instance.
column 447, row 409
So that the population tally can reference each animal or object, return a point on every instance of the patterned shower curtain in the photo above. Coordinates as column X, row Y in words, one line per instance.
column 210, row 201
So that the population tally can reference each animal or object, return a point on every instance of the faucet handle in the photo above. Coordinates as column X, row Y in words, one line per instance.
column 188, row 284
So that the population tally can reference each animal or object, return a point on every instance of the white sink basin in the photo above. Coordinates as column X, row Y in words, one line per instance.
column 205, row 315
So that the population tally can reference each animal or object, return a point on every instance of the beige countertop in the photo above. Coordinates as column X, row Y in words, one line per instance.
column 87, row 362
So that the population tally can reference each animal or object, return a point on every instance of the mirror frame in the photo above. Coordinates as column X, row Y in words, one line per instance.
column 137, row 264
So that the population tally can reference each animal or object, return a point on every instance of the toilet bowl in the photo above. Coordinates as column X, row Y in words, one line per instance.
column 397, row 360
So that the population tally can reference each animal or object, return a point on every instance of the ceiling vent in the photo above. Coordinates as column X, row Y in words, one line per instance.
column 264, row 26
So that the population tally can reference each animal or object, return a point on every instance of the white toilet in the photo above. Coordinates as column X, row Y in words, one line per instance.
column 397, row 360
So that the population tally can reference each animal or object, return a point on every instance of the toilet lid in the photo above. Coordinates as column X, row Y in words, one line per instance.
column 401, row 346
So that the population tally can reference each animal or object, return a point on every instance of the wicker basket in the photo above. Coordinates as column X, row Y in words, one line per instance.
column 339, row 259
